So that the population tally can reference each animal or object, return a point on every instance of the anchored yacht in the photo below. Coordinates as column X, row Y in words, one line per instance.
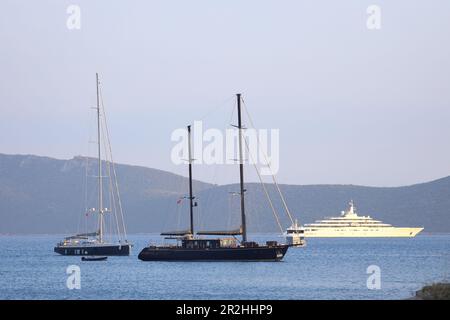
column 96, row 243
column 191, row 247
column 350, row 224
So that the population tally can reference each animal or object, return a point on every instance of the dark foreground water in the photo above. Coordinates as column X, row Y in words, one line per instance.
column 325, row 269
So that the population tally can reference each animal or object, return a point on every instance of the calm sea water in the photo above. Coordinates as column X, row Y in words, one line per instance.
column 325, row 269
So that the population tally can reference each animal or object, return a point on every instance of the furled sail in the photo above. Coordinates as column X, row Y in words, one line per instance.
column 221, row 232
column 176, row 233
column 83, row 235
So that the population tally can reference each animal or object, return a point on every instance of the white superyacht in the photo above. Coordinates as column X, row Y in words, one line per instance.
column 349, row 224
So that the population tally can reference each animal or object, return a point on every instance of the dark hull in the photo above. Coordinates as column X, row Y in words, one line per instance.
column 104, row 250
column 262, row 253
column 93, row 258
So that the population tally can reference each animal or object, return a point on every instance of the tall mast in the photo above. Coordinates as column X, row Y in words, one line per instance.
column 241, row 170
column 100, row 186
column 191, row 197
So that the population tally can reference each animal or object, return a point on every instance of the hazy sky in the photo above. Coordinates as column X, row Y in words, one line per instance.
column 353, row 105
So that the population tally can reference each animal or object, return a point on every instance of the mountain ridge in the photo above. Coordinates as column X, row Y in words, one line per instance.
column 42, row 195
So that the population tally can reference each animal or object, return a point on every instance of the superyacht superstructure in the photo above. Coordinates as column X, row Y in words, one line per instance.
column 350, row 224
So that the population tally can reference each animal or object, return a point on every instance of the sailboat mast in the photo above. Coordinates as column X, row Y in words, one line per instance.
column 191, row 197
column 100, row 186
column 241, row 170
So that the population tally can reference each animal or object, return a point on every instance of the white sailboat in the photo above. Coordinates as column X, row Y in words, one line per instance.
column 95, row 243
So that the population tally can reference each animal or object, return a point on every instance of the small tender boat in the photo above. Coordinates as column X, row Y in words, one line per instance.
column 93, row 258
column 295, row 235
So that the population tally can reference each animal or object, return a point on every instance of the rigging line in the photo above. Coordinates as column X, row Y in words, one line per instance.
column 235, row 207
column 114, row 209
column 88, row 195
column 86, row 171
column 217, row 107
column 229, row 210
column 264, row 187
column 232, row 114
column 105, row 165
column 114, row 170
column 82, row 220
column 112, row 195
column 179, row 209
column 207, row 195
column 198, row 213
column 81, row 217
column 283, row 200
column 231, row 206
column 168, row 210
column 112, row 201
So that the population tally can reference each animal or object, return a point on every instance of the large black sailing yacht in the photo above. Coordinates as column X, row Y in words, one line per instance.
column 191, row 247
column 97, row 243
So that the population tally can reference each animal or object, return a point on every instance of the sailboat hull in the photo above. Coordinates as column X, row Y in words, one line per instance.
column 94, row 250
column 261, row 253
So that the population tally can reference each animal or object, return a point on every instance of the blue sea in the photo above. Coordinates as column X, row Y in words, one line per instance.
column 324, row 269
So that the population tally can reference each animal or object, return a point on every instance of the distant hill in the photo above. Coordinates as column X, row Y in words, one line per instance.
column 45, row 195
